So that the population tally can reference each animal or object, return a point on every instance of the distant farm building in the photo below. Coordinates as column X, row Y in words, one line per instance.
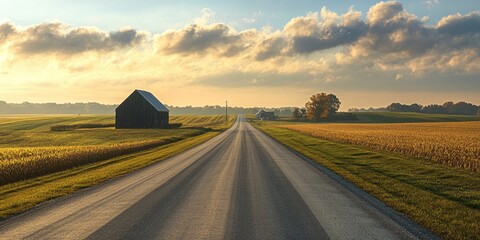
column 264, row 115
column 141, row 110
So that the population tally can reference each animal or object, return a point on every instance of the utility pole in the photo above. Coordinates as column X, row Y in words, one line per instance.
column 226, row 111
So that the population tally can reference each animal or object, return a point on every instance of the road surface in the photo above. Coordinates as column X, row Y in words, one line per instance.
column 239, row 185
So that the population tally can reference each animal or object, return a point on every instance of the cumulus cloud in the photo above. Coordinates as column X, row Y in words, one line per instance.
column 398, row 38
column 460, row 25
column 388, row 38
column 389, row 34
column 196, row 39
column 384, row 12
column 60, row 38
column 126, row 37
column 6, row 30
column 393, row 30
column 325, row 30
column 303, row 35
column 270, row 48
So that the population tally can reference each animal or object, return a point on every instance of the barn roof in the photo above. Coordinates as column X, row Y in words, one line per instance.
column 153, row 101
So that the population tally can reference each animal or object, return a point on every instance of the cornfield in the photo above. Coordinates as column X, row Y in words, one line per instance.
column 66, row 127
column 36, row 146
column 198, row 121
column 455, row 144
column 22, row 163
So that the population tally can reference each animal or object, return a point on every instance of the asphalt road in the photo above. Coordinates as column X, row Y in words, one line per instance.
column 239, row 185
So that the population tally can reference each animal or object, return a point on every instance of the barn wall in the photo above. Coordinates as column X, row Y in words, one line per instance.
column 136, row 112
column 162, row 119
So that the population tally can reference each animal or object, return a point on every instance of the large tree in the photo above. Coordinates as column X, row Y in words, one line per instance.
column 321, row 106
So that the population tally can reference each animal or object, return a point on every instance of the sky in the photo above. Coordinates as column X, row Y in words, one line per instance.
column 251, row 53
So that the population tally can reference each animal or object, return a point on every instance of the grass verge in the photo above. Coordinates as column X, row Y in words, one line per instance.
column 442, row 199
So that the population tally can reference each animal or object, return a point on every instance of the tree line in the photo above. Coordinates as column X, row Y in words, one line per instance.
column 97, row 108
column 459, row 108
column 55, row 108
column 320, row 106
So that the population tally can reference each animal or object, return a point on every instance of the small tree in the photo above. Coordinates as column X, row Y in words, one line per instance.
column 303, row 111
column 321, row 106
column 298, row 113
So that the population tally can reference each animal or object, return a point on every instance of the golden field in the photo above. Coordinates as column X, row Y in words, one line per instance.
column 28, row 147
column 22, row 163
column 452, row 143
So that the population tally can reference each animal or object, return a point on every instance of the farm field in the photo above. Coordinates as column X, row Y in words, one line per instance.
column 427, row 170
column 29, row 149
column 29, row 143
column 455, row 144
column 406, row 117
column 34, row 130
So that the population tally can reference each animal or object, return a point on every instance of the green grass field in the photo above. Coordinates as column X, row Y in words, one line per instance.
column 444, row 199
column 28, row 148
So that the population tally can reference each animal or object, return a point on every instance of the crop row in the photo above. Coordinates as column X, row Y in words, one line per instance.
column 198, row 121
column 70, row 127
column 454, row 143
column 23, row 163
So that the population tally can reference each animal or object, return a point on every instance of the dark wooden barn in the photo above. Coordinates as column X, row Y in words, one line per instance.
column 141, row 110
